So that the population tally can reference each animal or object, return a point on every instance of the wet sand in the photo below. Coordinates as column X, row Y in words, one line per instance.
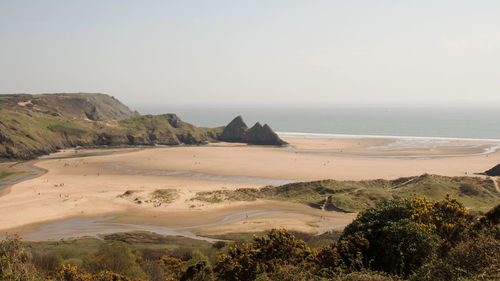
column 251, row 218
column 90, row 187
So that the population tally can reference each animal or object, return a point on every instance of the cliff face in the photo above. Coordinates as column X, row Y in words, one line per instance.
column 493, row 172
column 237, row 131
column 34, row 125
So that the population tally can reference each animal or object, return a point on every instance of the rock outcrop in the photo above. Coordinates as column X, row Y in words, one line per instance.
column 493, row 172
column 237, row 131
column 174, row 120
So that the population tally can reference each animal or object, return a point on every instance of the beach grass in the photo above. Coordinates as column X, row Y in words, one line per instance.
column 167, row 196
column 4, row 174
column 8, row 174
column 477, row 193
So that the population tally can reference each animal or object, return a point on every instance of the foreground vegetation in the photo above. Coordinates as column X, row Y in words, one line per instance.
column 478, row 194
column 405, row 239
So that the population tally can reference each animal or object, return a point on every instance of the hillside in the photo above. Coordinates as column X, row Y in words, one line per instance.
column 353, row 196
column 33, row 125
column 96, row 107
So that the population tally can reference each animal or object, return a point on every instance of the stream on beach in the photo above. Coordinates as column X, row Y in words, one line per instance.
column 31, row 172
column 100, row 226
column 197, row 175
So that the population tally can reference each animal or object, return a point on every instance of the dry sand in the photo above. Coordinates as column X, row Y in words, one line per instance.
column 90, row 186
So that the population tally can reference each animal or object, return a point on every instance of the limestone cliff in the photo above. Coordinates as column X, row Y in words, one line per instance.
column 33, row 125
column 493, row 172
column 237, row 131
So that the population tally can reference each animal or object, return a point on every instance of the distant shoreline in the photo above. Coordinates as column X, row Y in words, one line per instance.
column 391, row 147
column 384, row 120
column 354, row 136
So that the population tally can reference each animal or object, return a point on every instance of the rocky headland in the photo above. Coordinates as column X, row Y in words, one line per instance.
column 34, row 125
column 238, row 131
column 493, row 172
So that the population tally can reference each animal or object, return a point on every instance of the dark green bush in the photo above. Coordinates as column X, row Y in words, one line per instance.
column 116, row 257
column 477, row 258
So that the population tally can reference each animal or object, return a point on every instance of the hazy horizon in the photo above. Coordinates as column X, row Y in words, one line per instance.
column 272, row 52
column 474, row 122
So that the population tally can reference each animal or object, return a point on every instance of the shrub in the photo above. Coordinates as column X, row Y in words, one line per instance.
column 200, row 271
column 477, row 258
column 50, row 262
column 404, row 234
column 173, row 267
column 116, row 257
column 219, row 245
column 71, row 273
column 196, row 257
column 345, row 255
column 153, row 270
column 287, row 272
column 447, row 218
column 15, row 261
column 470, row 189
column 490, row 222
column 404, row 248
column 362, row 276
column 263, row 255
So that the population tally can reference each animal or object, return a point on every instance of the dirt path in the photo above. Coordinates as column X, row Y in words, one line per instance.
column 495, row 182
column 405, row 183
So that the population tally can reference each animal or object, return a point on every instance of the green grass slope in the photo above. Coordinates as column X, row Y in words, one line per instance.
column 33, row 125
column 476, row 193
column 97, row 107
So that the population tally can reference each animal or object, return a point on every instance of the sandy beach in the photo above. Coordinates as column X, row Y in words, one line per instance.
column 91, row 186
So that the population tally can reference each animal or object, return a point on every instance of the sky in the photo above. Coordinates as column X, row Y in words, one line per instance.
column 269, row 52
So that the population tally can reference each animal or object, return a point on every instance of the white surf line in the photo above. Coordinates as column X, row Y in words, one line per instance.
column 400, row 143
column 350, row 136
column 389, row 157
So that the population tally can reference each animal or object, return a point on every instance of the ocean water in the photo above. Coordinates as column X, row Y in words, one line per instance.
column 477, row 122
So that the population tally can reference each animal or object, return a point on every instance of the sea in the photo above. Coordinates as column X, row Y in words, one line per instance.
column 469, row 122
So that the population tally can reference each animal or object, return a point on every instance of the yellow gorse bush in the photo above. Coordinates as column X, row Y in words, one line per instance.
column 70, row 273
column 443, row 216
column 424, row 213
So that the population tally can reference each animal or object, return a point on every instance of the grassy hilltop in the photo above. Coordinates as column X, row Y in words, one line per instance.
column 33, row 125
